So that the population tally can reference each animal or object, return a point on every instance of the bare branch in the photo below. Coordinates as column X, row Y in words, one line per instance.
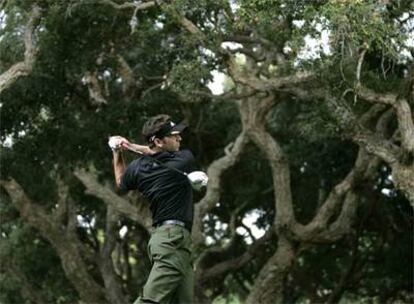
column 190, row 26
column 126, row 73
column 95, row 91
column 24, row 67
column 359, row 66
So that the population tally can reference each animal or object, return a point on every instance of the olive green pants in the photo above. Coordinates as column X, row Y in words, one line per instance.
column 171, row 278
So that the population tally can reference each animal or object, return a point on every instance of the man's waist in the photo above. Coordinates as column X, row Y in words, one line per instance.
column 174, row 222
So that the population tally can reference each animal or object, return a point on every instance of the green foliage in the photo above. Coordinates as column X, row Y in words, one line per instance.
column 263, row 10
column 11, row 46
column 188, row 77
column 362, row 22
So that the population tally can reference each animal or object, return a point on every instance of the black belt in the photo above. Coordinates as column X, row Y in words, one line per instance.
column 171, row 222
column 174, row 222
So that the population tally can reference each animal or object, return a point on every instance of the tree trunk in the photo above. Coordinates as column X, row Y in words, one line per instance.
column 113, row 285
column 269, row 285
column 404, row 180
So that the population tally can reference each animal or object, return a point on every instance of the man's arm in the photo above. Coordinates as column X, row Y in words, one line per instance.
column 119, row 166
column 138, row 148
column 122, row 143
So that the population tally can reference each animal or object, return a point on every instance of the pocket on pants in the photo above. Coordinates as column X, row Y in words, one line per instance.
column 175, row 236
column 165, row 240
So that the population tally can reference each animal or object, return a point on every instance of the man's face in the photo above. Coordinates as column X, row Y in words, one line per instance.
column 171, row 142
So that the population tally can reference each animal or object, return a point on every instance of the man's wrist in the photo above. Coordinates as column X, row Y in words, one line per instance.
column 116, row 152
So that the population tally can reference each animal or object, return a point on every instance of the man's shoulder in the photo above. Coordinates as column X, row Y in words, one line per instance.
column 135, row 162
column 185, row 153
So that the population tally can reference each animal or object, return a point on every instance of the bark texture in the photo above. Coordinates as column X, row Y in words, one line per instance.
column 25, row 67
column 62, row 237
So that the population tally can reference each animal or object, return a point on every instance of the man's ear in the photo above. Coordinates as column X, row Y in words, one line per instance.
column 158, row 142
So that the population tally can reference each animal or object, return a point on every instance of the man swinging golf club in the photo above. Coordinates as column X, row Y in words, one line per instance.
column 163, row 175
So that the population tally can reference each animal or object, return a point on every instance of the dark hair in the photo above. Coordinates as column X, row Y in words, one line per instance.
column 153, row 125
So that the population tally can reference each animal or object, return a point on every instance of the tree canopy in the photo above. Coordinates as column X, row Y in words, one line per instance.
column 309, row 146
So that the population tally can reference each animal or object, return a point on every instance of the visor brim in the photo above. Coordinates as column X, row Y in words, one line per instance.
column 178, row 128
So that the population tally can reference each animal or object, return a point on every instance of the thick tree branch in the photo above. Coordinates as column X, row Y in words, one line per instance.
column 365, row 168
column 228, row 96
column 24, row 67
column 403, row 110
column 372, row 142
column 377, row 143
column 64, row 241
column 35, row 215
column 253, row 112
column 269, row 284
column 61, row 212
column 371, row 96
column 123, row 206
column 335, row 198
column 215, row 170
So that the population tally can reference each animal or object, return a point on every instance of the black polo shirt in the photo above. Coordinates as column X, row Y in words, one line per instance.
column 169, row 192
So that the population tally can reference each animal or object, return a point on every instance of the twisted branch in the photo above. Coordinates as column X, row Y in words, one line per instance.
column 25, row 67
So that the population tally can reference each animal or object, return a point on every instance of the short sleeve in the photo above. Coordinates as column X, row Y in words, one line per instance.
column 129, row 180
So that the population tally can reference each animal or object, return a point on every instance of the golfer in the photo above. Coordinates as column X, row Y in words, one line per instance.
column 171, row 197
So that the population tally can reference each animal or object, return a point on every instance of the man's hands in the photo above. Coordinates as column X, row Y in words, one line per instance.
column 118, row 143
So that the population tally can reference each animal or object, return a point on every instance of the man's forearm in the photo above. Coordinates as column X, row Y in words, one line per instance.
column 140, row 149
column 119, row 166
